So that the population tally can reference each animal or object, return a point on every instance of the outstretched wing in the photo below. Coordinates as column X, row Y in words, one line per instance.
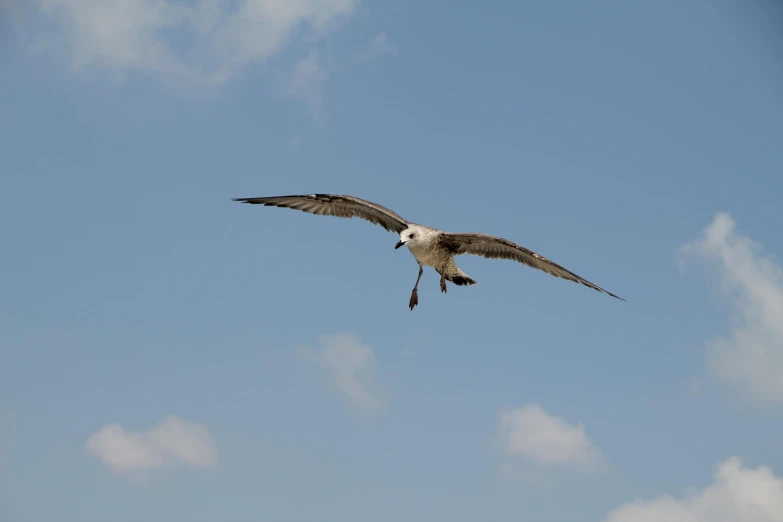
column 499, row 248
column 335, row 205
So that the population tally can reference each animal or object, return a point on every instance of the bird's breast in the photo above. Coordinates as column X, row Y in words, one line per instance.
column 426, row 255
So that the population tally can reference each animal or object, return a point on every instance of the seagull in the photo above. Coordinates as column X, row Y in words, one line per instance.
column 429, row 246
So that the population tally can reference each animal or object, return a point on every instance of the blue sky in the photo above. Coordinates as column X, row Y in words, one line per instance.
column 170, row 355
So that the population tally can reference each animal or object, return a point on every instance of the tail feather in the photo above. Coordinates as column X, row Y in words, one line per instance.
column 457, row 276
column 461, row 280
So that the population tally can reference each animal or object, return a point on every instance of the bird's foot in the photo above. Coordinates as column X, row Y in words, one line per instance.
column 443, row 285
column 414, row 299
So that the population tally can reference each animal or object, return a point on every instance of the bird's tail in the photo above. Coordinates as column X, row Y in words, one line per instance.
column 458, row 277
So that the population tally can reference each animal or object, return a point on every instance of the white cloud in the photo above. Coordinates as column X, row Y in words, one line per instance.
column 752, row 354
column 378, row 46
column 350, row 366
column 6, row 430
column 737, row 495
column 203, row 39
column 531, row 433
column 172, row 441
column 306, row 82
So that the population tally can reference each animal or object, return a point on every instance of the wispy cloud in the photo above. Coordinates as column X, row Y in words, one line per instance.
column 6, row 431
column 378, row 46
column 350, row 366
column 306, row 82
column 530, row 433
column 737, row 494
column 751, row 356
column 173, row 441
column 205, row 40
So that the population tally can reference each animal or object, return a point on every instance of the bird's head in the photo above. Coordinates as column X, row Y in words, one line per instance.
column 411, row 236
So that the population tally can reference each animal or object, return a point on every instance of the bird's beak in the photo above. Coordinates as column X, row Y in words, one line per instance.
column 398, row 245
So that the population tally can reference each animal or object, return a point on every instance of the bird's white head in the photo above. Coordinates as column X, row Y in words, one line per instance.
column 413, row 235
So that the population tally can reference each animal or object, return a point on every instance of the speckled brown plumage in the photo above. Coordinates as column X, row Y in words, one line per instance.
column 430, row 246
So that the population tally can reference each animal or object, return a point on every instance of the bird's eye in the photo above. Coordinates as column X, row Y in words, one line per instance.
column 410, row 236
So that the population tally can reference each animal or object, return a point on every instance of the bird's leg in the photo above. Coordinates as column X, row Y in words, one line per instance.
column 443, row 280
column 415, row 294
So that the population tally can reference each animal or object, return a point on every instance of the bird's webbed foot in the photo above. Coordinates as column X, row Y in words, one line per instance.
column 414, row 299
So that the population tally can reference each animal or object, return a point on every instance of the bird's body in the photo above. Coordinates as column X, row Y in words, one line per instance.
column 429, row 246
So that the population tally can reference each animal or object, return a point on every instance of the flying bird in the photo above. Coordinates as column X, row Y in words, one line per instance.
column 429, row 246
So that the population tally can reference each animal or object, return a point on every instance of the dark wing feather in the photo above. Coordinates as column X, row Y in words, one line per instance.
column 335, row 205
column 499, row 248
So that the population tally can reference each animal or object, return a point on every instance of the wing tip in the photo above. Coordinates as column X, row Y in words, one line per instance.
column 264, row 200
column 597, row 288
column 611, row 294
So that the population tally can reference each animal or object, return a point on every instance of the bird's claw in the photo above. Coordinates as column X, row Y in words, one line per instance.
column 414, row 299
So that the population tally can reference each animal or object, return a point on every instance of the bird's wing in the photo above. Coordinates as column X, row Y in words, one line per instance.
column 335, row 205
column 499, row 248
